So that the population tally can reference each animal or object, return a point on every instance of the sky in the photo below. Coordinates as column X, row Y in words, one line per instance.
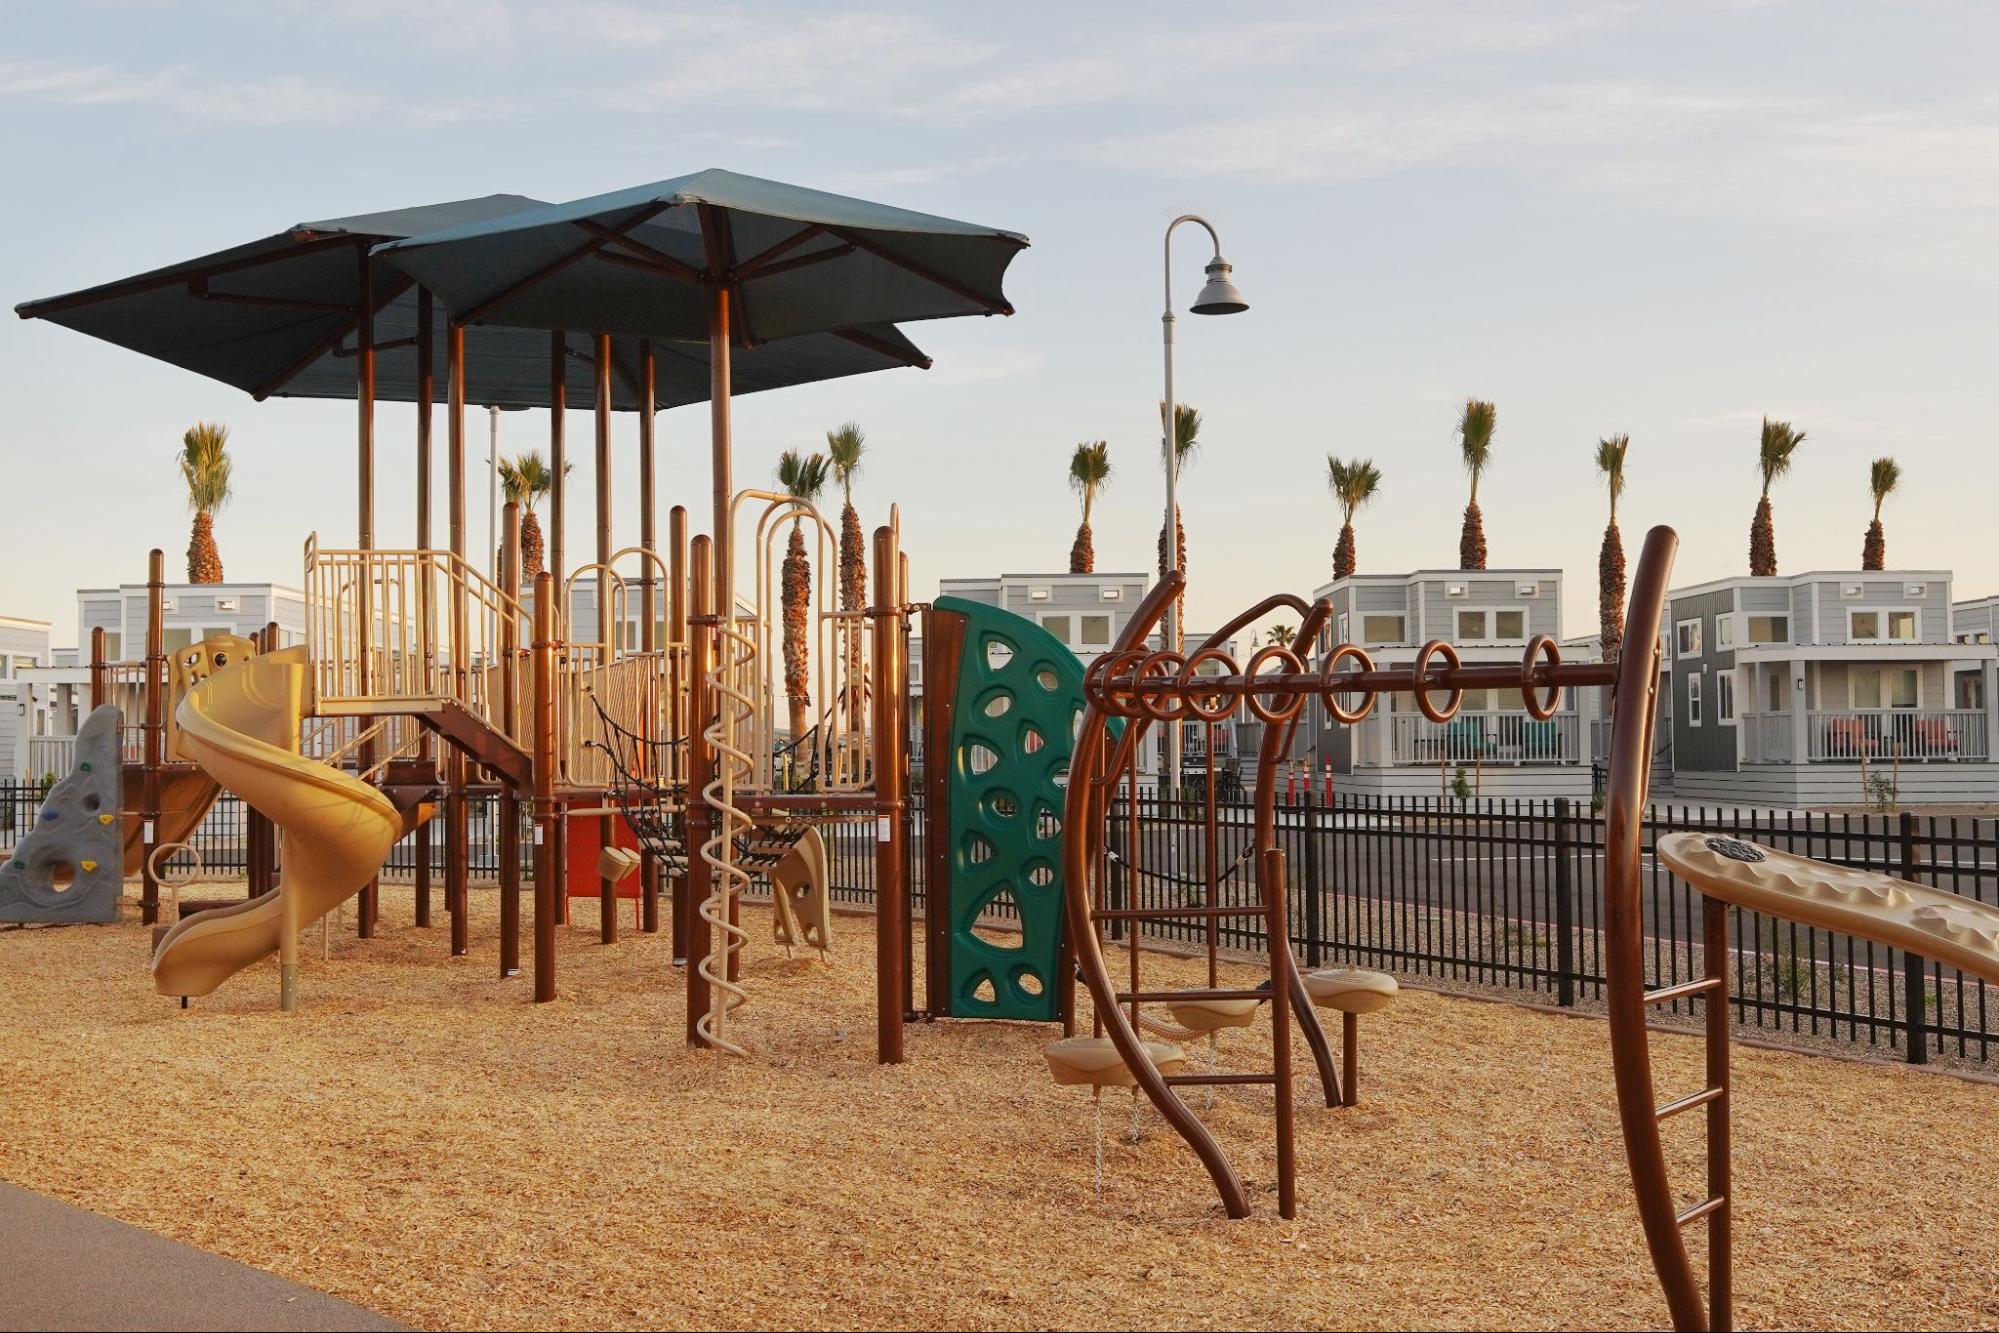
column 1663, row 220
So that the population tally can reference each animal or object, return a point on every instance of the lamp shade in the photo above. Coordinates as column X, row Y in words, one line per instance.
column 1219, row 296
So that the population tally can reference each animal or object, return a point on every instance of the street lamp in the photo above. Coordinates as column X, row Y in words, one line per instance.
column 1218, row 296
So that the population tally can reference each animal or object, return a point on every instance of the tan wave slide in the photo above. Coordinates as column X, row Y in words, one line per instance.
column 241, row 725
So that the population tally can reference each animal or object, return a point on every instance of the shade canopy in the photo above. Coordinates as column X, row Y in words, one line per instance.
column 276, row 317
column 643, row 261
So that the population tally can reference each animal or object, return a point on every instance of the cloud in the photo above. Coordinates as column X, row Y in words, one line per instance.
column 192, row 100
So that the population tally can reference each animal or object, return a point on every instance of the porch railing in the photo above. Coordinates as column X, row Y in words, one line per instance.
column 1486, row 738
column 1767, row 738
column 1908, row 734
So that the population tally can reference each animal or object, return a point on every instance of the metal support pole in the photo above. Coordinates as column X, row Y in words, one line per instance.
column 678, row 685
column 546, row 813
column 1915, row 971
column 155, row 734
column 649, row 872
column 891, row 859
column 558, row 464
column 1315, row 889
column 1565, row 906
column 509, row 812
column 608, row 634
column 689, row 922
column 364, row 395
column 457, row 831
column 426, row 393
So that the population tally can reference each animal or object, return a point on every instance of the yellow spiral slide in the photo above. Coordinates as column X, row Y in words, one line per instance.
column 241, row 725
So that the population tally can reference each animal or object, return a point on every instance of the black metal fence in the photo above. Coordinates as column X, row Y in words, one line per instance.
column 1497, row 895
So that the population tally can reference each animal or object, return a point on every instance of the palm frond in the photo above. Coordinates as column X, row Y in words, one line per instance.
column 1475, row 430
column 1773, row 454
column 1610, row 452
column 803, row 476
column 1353, row 482
column 1883, row 476
column 844, row 448
column 204, row 466
column 1186, row 432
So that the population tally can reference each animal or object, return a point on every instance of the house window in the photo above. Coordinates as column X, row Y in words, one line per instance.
column 1340, row 628
column 1775, row 690
column 1724, row 632
column 1471, row 626
column 1769, row 629
column 1693, row 701
column 114, row 644
column 1058, row 626
column 1687, row 638
column 1724, row 698
column 1382, row 629
column 1096, row 631
column 1509, row 625
column 1890, row 625
column 1884, row 687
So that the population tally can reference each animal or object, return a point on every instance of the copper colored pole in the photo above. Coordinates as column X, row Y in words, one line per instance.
column 155, row 732
column 649, row 595
column 546, row 814
column 700, row 772
column 677, row 688
column 364, row 395
column 607, row 633
column 97, row 667
column 457, row 817
column 426, row 392
column 1275, row 896
column 558, row 460
column 509, row 814
column 890, row 762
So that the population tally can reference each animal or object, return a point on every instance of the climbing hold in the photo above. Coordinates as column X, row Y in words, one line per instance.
column 20, row 865
column 106, row 819
column 47, row 815
column 84, row 766
column 88, row 866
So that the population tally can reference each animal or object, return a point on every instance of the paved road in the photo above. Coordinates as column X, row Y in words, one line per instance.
column 65, row 1268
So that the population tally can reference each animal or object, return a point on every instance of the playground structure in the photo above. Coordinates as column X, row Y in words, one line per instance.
column 423, row 680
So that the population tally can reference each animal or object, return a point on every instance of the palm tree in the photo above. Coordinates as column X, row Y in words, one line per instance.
column 1475, row 429
column 525, row 479
column 204, row 466
column 844, row 448
column 802, row 477
column 1186, row 443
column 1353, row 484
column 1610, row 560
column 1089, row 473
column 1281, row 635
column 1773, row 460
column 1883, row 476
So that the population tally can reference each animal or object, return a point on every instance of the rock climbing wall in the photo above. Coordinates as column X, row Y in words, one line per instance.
column 70, row 867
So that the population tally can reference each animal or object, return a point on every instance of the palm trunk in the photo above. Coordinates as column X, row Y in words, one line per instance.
column 204, row 561
column 1874, row 551
column 797, row 603
column 853, row 597
column 531, row 549
column 1763, row 541
column 1083, row 551
column 1471, row 539
column 1344, row 554
column 1610, row 592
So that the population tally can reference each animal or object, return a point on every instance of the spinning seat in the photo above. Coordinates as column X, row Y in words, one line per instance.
column 1353, row 992
column 1094, row 1061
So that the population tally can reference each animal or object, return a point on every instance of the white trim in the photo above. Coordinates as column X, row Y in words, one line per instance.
column 1724, row 631
column 1700, row 634
column 1726, row 717
column 1695, row 712
column 1884, row 612
column 1853, row 676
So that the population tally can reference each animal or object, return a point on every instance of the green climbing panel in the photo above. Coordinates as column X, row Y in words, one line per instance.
column 1020, row 692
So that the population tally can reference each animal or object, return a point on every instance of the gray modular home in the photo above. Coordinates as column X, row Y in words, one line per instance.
column 1489, row 616
column 1829, row 689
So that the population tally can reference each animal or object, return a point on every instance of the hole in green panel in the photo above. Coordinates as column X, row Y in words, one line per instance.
column 1002, row 804
column 1040, row 874
column 998, row 653
column 977, row 849
column 1027, row 980
column 980, row 758
column 997, row 704
column 1046, row 824
column 1031, row 740
column 1046, row 678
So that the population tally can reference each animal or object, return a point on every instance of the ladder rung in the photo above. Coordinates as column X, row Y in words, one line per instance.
column 1688, row 1103
column 1162, row 913
column 1174, row 996
column 1700, row 1210
column 1177, row 1079
column 1667, row 994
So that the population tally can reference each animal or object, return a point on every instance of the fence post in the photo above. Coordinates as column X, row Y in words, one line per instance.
column 1565, row 908
column 1314, row 886
column 1913, row 968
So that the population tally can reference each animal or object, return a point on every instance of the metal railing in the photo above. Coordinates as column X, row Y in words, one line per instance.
column 1910, row 735
column 1486, row 738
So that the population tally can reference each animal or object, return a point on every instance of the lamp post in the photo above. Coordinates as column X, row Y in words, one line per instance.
column 1217, row 297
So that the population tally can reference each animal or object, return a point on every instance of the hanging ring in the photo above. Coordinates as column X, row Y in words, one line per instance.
column 1215, row 707
column 1291, row 703
column 1435, row 648
column 1539, row 708
column 1330, row 692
